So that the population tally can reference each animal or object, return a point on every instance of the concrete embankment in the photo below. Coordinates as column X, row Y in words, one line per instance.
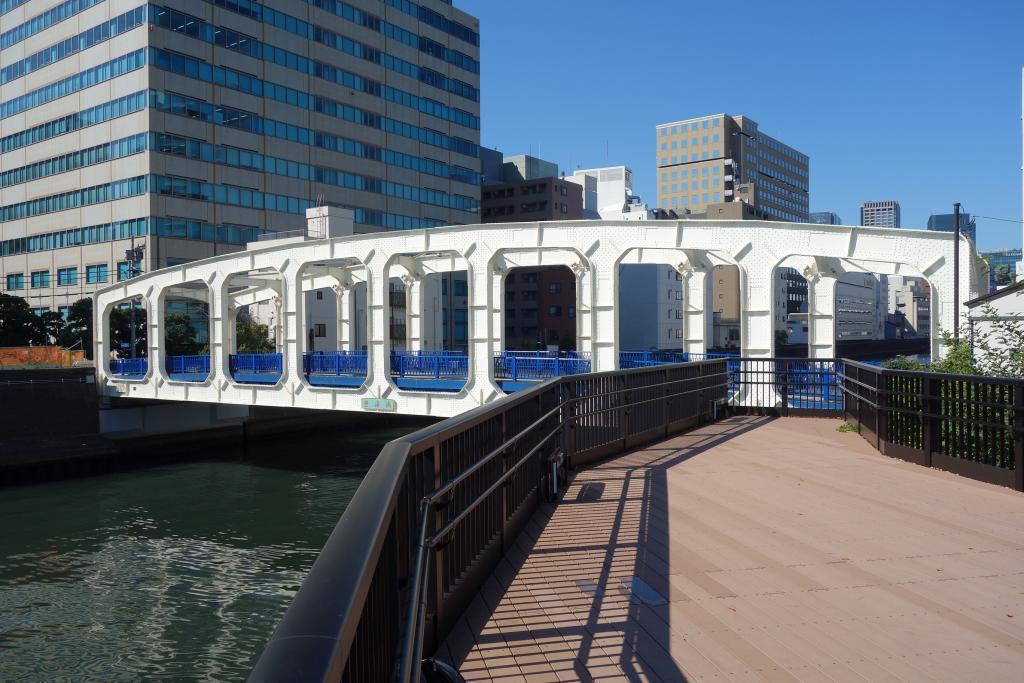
column 54, row 425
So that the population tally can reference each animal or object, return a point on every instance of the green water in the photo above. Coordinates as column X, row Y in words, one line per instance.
column 177, row 572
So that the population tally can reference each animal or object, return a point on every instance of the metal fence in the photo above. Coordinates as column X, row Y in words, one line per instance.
column 973, row 426
column 339, row 362
column 436, row 364
column 256, row 363
column 439, row 507
column 538, row 365
column 190, row 365
column 129, row 366
column 786, row 386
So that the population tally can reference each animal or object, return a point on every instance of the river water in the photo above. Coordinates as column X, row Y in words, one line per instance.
column 177, row 572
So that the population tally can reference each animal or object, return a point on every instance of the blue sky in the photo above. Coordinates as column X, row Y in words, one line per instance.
column 917, row 101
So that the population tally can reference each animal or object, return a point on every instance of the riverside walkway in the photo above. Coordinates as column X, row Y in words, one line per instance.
column 757, row 548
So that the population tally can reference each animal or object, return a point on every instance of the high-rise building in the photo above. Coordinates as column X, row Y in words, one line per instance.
column 1003, row 265
column 723, row 158
column 825, row 218
column 880, row 214
column 196, row 129
column 946, row 222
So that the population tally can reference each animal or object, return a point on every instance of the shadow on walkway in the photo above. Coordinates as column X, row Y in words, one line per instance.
column 584, row 592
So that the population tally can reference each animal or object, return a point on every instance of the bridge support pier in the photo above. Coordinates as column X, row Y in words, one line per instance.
column 698, row 303
column 821, row 315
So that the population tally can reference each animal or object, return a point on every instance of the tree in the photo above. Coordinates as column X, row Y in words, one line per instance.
column 77, row 330
column 51, row 325
column 121, row 323
column 180, row 336
column 252, row 337
column 999, row 346
column 19, row 326
column 1003, row 275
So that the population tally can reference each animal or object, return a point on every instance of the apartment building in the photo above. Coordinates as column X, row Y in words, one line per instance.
column 722, row 158
column 189, row 128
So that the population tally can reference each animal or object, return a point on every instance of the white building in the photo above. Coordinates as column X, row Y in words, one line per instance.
column 987, row 314
column 650, row 296
column 909, row 306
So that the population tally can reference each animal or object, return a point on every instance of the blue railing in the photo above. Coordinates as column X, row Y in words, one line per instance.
column 643, row 359
column 436, row 364
column 255, row 363
column 188, row 365
column 334, row 363
column 814, row 384
column 528, row 366
column 129, row 366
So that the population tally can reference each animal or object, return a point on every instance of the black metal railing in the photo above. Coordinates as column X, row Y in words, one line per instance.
column 973, row 426
column 438, row 509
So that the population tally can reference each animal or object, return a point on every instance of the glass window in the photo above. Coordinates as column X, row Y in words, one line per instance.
column 96, row 273
column 15, row 281
column 67, row 276
column 40, row 279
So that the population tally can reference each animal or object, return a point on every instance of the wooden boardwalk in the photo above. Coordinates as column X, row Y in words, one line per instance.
column 757, row 549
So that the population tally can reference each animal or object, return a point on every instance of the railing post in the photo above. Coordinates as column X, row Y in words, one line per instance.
column 570, row 450
column 515, row 369
column 624, row 413
column 929, row 425
column 667, row 403
column 437, row 587
column 882, row 401
column 1018, row 437
column 782, row 370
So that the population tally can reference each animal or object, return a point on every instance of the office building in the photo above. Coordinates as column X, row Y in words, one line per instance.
column 946, row 222
column 880, row 214
column 540, row 303
column 825, row 218
column 197, row 129
column 909, row 307
column 861, row 305
column 725, row 158
column 1003, row 266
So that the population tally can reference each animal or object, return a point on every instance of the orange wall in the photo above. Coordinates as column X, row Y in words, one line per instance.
column 52, row 356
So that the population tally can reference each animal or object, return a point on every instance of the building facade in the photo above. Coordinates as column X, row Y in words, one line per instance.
column 540, row 303
column 946, row 222
column 725, row 158
column 190, row 131
column 909, row 307
column 880, row 214
column 1003, row 266
column 825, row 218
column 546, row 198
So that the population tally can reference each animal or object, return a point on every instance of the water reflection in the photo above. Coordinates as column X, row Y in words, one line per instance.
column 178, row 572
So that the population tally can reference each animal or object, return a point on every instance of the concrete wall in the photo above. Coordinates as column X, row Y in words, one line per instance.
column 57, row 402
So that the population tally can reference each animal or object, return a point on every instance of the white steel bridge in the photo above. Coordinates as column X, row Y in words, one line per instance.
column 425, row 379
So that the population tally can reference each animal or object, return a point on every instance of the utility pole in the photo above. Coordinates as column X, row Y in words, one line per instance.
column 956, row 272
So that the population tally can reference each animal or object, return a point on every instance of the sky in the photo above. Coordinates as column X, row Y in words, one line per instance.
column 913, row 100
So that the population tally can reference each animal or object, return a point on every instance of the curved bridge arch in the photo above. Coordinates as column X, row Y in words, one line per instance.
column 593, row 249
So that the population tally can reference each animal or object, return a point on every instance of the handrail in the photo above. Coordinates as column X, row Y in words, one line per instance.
column 400, row 549
column 321, row 633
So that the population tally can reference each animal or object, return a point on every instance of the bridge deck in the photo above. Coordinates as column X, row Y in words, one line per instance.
column 757, row 549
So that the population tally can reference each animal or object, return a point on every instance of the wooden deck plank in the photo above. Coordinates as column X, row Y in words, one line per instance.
column 757, row 548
